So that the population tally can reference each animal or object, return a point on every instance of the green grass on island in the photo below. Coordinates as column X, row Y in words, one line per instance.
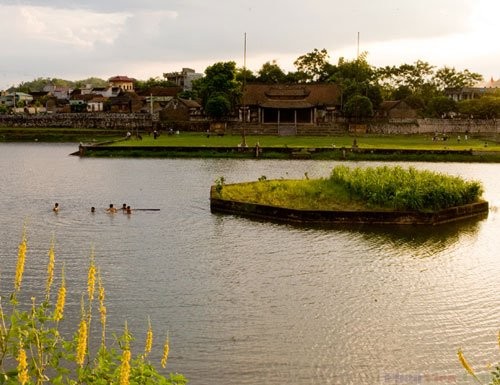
column 373, row 188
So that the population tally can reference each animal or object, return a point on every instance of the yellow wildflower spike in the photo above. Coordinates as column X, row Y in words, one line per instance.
column 466, row 365
column 149, row 339
column 61, row 299
column 166, row 349
column 50, row 269
column 22, row 366
column 102, row 307
column 82, row 343
column 91, row 278
column 125, row 368
column 21, row 258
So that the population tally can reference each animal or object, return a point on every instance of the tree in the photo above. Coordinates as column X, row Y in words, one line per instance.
column 356, row 77
column 358, row 107
column 218, row 106
column 145, row 85
column 244, row 75
column 314, row 65
column 270, row 73
column 447, row 77
column 219, row 80
column 440, row 106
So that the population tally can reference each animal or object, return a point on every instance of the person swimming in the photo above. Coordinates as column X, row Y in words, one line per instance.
column 111, row 209
column 56, row 207
column 128, row 210
column 92, row 209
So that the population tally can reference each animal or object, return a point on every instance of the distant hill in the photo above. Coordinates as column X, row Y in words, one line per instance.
column 39, row 83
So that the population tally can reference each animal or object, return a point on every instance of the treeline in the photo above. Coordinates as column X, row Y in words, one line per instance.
column 363, row 86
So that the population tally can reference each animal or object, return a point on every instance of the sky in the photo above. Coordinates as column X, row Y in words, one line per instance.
column 78, row 39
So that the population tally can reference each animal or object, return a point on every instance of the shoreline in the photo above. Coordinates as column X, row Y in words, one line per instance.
column 290, row 153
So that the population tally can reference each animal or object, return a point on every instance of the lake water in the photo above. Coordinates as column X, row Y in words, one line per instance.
column 250, row 302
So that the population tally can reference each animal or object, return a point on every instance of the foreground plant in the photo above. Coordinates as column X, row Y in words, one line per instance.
column 33, row 349
column 495, row 374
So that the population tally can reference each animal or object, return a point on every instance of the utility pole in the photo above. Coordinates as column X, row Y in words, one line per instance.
column 357, row 56
column 244, row 116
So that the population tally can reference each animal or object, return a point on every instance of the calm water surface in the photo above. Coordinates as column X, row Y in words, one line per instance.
column 249, row 302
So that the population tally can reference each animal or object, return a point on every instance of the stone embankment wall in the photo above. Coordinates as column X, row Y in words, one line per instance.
column 103, row 121
column 146, row 122
column 432, row 126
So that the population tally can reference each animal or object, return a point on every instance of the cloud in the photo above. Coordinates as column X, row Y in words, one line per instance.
column 81, row 38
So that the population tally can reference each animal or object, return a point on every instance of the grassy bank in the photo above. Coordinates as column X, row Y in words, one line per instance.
column 368, row 141
column 380, row 188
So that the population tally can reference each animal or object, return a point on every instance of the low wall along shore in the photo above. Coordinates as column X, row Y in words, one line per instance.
column 319, row 217
column 146, row 122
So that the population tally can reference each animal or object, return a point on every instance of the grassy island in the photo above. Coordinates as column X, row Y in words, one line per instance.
column 366, row 191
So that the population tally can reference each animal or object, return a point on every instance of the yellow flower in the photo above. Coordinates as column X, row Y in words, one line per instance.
column 50, row 269
column 102, row 296
column 149, row 339
column 82, row 343
column 465, row 364
column 21, row 257
column 165, row 354
column 22, row 366
column 102, row 308
column 125, row 368
column 91, row 278
column 61, row 299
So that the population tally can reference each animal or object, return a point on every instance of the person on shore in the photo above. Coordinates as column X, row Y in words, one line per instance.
column 111, row 209
column 56, row 208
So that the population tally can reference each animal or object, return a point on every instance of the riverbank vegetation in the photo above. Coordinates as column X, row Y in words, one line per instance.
column 35, row 350
column 379, row 188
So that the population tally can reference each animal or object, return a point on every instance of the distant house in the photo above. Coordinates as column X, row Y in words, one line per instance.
column 61, row 93
column 479, row 90
column 181, row 110
column 396, row 109
column 123, row 82
column 13, row 99
column 183, row 78
column 126, row 102
column 289, row 104
column 157, row 98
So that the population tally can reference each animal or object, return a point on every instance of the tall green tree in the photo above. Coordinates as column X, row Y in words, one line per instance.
column 358, row 107
column 314, row 65
column 356, row 78
column 271, row 73
column 219, row 82
column 447, row 77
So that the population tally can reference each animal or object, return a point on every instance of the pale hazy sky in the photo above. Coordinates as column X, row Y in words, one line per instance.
column 77, row 39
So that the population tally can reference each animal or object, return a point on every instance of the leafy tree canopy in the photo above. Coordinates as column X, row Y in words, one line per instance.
column 144, row 85
column 313, row 65
column 271, row 73
column 358, row 107
column 219, row 79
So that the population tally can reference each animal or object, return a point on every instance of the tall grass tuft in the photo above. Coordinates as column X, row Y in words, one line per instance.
column 406, row 189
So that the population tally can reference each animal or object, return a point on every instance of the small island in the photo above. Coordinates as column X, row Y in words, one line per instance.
column 373, row 195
